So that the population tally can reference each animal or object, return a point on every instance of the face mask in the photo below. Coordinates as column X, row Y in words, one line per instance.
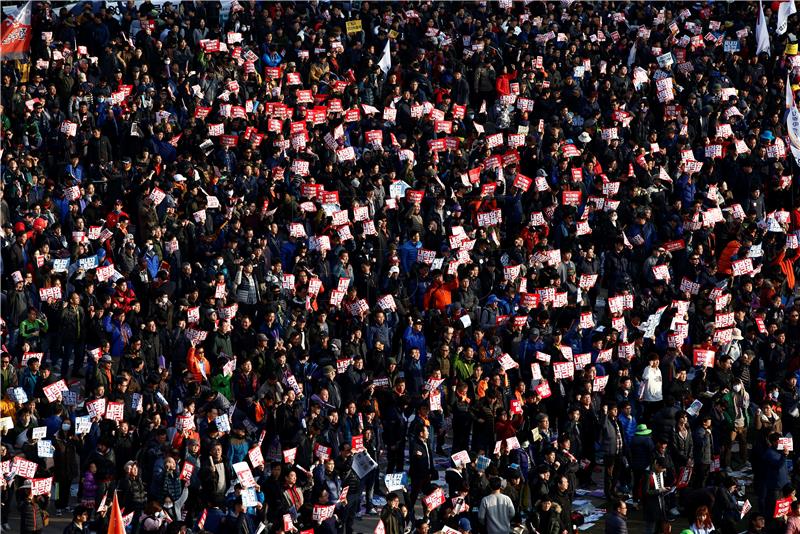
column 219, row 261
column 737, row 388
column 65, row 427
column 774, row 395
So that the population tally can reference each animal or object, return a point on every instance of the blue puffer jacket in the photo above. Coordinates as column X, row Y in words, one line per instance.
column 628, row 425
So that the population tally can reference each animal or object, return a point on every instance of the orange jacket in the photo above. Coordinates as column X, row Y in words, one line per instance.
column 180, row 438
column 197, row 365
column 440, row 296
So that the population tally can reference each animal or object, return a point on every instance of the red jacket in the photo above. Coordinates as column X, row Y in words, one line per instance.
column 503, row 83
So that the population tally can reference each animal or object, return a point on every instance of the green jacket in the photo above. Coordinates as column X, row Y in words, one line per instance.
column 463, row 368
column 33, row 328
column 222, row 385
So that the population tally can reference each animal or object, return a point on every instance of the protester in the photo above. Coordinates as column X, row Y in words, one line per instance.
column 258, row 256
column 616, row 519
column 496, row 510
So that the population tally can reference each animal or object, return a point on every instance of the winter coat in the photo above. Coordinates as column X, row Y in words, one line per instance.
column 132, row 494
column 31, row 517
column 170, row 486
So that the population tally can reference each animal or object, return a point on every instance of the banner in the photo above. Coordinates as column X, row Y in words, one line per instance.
column 762, row 32
column 16, row 34
column 792, row 122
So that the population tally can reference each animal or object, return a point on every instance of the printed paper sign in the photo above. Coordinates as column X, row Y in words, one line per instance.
column 587, row 281
column 507, row 362
column 255, row 456
column 244, row 474
column 563, row 369
column 703, row 358
column 223, row 423
column 661, row 272
column 723, row 320
column 96, row 408
column 41, row 486
column 53, row 391
column 582, row 360
column 186, row 471
column 434, row 500
column 746, row 507
column 363, row 464
column 83, row 425
column 321, row 512
column 289, row 455
column 6, row 423
column 115, row 411
column 184, row 422
column 460, row 459
column 321, row 451
column 69, row 128
column 571, row 198
column 742, row 267
column 782, row 507
column 684, row 477
column 23, row 467
column 599, row 383
column 386, row 302
column 395, row 481
column 536, row 371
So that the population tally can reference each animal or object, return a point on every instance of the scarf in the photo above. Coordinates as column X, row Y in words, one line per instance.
column 294, row 496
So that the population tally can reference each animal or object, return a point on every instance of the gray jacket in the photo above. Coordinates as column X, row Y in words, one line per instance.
column 704, row 446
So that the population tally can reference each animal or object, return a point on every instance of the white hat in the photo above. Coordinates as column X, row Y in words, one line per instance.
column 394, row 269
column 179, row 178
column 584, row 137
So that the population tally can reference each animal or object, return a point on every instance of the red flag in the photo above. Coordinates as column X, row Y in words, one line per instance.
column 16, row 34
column 202, row 521
column 116, row 525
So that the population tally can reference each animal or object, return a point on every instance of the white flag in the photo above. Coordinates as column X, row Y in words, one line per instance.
column 632, row 55
column 762, row 32
column 792, row 121
column 386, row 61
column 786, row 8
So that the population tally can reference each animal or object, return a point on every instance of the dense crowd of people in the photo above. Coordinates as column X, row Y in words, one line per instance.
column 281, row 266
